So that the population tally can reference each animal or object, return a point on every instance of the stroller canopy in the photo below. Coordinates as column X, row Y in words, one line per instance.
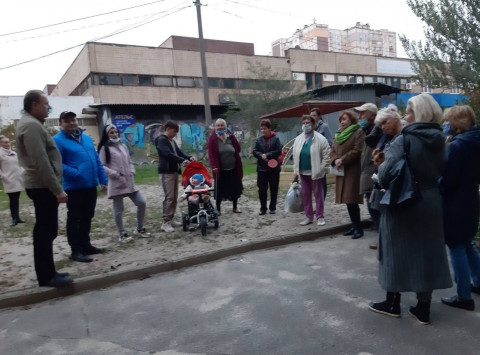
column 195, row 168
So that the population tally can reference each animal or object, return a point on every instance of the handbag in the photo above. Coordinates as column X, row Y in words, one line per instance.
column 403, row 190
column 293, row 200
column 337, row 171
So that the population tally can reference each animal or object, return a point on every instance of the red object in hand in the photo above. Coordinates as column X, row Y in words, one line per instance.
column 272, row 163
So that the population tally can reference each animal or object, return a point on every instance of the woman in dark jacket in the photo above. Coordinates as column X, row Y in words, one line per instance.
column 267, row 147
column 226, row 164
column 459, row 186
column 346, row 153
column 411, row 248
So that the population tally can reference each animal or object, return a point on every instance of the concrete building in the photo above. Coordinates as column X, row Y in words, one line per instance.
column 359, row 39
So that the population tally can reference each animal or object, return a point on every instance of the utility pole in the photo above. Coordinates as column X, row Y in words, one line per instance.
column 208, row 113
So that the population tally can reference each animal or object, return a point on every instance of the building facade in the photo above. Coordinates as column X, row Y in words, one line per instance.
column 359, row 39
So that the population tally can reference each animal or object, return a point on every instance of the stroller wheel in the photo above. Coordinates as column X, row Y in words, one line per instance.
column 203, row 224
column 184, row 222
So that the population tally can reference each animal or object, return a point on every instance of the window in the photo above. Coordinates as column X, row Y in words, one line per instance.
column 368, row 79
column 96, row 79
column 198, row 82
column 309, row 81
column 351, row 79
column 229, row 83
column 213, row 83
column 110, row 79
column 342, row 78
column 129, row 80
column 298, row 76
column 328, row 77
column 359, row 79
column 318, row 81
column 185, row 82
column 144, row 80
column 381, row 80
column 162, row 81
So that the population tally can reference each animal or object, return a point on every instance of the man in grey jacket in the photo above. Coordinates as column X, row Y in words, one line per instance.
column 39, row 156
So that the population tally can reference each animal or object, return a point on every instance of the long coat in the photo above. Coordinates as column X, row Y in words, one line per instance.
column 411, row 248
column 459, row 187
column 10, row 171
column 120, row 170
column 347, row 188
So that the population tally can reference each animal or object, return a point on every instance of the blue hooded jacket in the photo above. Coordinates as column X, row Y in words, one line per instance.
column 459, row 185
column 82, row 167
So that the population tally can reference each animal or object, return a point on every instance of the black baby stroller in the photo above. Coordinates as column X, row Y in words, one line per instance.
column 199, row 214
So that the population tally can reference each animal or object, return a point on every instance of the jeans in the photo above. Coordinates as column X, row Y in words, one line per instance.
column 81, row 209
column 137, row 200
column 466, row 264
column 309, row 186
column 264, row 180
column 44, row 232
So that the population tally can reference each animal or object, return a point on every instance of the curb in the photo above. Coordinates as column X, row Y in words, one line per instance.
column 40, row 294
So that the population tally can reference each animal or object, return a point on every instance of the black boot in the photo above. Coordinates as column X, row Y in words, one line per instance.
column 390, row 307
column 358, row 233
column 421, row 312
column 14, row 223
column 351, row 231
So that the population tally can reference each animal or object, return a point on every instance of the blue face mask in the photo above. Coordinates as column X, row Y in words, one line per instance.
column 221, row 132
column 306, row 128
column 363, row 123
column 446, row 128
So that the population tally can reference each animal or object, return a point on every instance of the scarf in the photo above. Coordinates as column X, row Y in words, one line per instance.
column 341, row 137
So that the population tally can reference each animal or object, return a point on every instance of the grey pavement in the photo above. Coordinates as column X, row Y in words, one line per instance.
column 303, row 298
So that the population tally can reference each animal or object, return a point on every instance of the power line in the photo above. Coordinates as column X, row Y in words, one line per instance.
column 125, row 29
column 79, row 19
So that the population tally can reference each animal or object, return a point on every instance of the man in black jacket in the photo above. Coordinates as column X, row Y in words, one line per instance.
column 170, row 158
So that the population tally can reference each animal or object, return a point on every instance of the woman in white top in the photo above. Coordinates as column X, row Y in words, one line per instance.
column 11, row 175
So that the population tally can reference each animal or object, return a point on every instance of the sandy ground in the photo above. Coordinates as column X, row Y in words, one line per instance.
column 16, row 251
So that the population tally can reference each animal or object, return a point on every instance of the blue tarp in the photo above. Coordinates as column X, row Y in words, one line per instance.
column 444, row 100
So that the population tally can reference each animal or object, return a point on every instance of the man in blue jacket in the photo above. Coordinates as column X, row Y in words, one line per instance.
column 82, row 172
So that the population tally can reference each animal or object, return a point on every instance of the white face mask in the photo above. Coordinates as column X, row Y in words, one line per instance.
column 306, row 128
column 115, row 140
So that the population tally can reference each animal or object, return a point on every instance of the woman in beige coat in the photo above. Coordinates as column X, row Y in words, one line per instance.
column 346, row 152
column 11, row 175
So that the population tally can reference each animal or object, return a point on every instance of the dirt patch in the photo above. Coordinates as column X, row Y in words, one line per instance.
column 16, row 257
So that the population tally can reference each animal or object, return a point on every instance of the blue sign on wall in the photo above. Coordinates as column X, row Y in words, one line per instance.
column 123, row 121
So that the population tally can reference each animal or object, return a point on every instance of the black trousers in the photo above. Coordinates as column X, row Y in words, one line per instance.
column 44, row 232
column 81, row 209
column 14, row 198
column 354, row 213
column 264, row 180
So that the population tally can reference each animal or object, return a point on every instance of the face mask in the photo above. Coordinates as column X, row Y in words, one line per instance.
column 306, row 128
column 363, row 123
column 221, row 132
column 115, row 140
column 446, row 128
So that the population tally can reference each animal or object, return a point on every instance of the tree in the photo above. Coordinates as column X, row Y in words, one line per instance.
column 451, row 52
column 266, row 91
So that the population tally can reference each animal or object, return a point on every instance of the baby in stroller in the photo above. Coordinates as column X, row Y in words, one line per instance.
column 197, row 190
column 197, row 182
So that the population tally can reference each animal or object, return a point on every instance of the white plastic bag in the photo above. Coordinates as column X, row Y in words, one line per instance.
column 293, row 200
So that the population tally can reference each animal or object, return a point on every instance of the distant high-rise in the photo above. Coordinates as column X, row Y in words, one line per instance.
column 359, row 39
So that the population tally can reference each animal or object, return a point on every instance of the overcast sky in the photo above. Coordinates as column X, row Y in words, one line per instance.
column 257, row 21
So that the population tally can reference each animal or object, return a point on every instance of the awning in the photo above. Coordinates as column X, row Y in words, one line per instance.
column 325, row 107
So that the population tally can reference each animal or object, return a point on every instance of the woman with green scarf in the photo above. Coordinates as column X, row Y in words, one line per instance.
column 346, row 152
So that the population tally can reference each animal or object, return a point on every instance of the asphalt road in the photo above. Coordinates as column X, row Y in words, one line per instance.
column 305, row 298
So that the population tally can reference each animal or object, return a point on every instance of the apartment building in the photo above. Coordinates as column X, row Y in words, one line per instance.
column 359, row 39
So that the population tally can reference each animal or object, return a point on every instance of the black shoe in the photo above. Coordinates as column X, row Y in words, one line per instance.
column 475, row 289
column 14, row 223
column 389, row 307
column 351, row 231
column 468, row 305
column 80, row 257
column 421, row 312
column 58, row 281
column 91, row 250
column 262, row 212
column 20, row 220
column 273, row 211
column 357, row 234
column 63, row 274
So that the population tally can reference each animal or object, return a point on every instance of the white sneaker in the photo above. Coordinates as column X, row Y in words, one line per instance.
column 142, row 233
column 167, row 227
column 124, row 238
column 176, row 223
column 321, row 222
column 305, row 222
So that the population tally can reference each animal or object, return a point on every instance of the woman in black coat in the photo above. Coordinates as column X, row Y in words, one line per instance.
column 459, row 186
column 267, row 147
